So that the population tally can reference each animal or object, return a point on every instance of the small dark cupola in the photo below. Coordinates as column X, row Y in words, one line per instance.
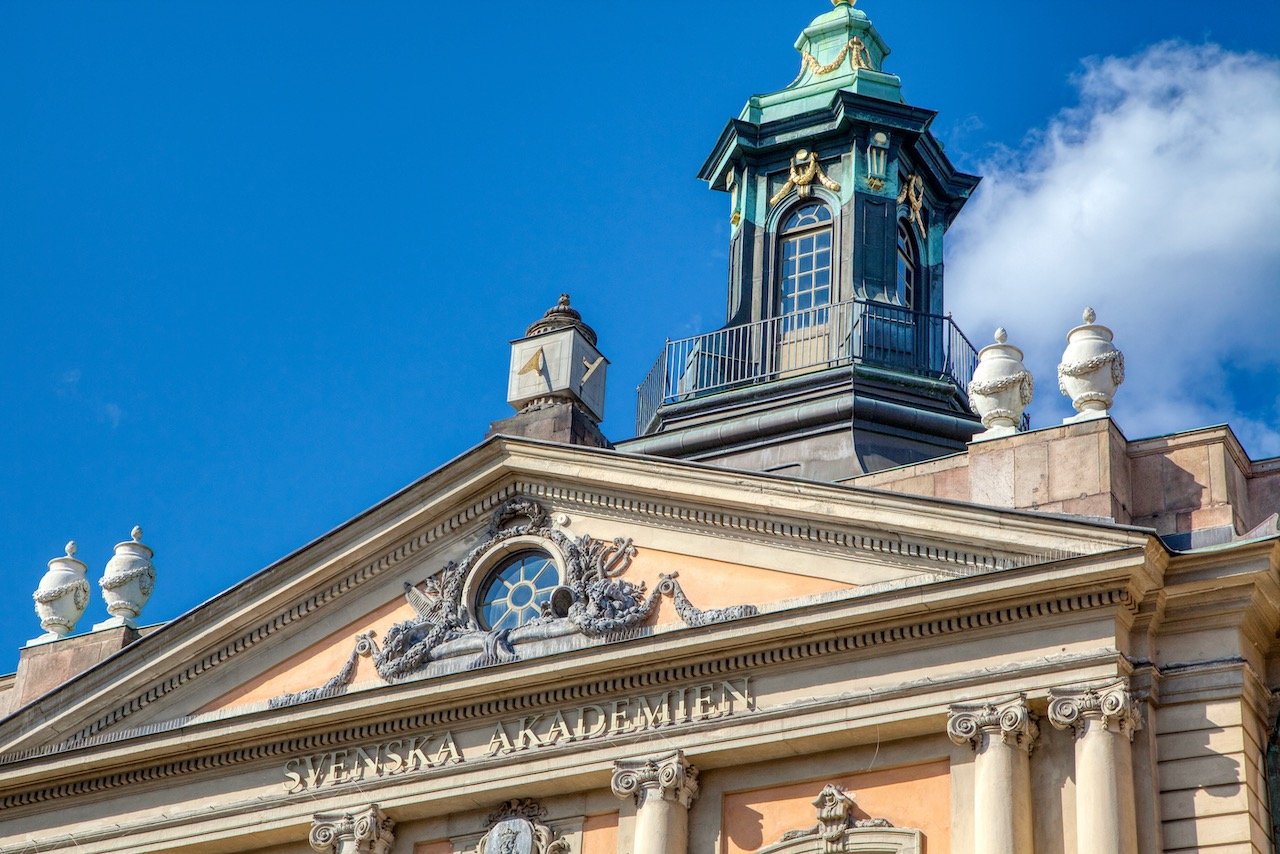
column 837, row 356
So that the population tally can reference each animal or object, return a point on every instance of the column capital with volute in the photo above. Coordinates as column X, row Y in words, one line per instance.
column 1111, row 705
column 366, row 830
column 669, row 777
column 1011, row 721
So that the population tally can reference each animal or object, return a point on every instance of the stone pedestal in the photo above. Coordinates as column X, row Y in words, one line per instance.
column 664, row 789
column 1104, row 721
column 1002, row 736
column 363, row 831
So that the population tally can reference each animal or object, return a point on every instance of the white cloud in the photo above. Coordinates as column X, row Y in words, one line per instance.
column 1157, row 201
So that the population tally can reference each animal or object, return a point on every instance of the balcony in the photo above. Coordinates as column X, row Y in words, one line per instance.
column 856, row 332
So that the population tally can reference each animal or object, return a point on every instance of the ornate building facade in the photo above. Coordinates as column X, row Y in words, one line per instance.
column 833, row 597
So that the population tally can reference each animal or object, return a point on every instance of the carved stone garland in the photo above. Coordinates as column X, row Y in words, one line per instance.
column 593, row 600
column 517, row 827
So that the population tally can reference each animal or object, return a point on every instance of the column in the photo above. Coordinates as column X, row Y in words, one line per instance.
column 363, row 831
column 1104, row 721
column 1002, row 735
column 664, row 789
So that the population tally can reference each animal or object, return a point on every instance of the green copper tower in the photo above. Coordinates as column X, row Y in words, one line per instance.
column 836, row 357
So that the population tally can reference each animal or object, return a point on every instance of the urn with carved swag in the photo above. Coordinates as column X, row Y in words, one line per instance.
column 127, row 583
column 61, row 597
column 1091, row 369
column 1001, row 389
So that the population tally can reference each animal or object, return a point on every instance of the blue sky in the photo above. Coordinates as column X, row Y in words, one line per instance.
column 259, row 263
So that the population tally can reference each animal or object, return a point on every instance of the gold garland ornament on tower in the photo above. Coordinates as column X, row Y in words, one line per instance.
column 805, row 169
column 913, row 194
column 855, row 51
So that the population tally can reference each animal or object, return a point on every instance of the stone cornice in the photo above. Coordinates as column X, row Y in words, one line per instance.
column 255, row 738
column 505, row 458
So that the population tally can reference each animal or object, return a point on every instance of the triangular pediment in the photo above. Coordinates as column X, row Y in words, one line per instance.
column 641, row 547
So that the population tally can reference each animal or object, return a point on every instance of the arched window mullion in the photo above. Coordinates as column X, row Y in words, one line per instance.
column 806, row 266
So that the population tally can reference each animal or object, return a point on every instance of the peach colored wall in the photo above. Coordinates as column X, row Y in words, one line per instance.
column 433, row 848
column 600, row 834
column 318, row 663
column 715, row 584
column 918, row 796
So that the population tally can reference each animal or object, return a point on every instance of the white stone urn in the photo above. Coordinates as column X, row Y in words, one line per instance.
column 1091, row 370
column 127, row 583
column 62, row 596
column 1001, row 388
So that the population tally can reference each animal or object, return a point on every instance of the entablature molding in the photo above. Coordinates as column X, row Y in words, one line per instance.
column 339, row 583
column 73, row 766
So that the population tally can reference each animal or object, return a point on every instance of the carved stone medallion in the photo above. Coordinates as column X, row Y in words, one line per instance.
column 511, row 836
column 518, row 828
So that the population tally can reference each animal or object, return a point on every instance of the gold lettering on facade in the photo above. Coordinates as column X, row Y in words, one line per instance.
column 676, row 707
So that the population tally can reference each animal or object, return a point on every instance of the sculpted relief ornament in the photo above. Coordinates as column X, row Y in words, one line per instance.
column 837, row 830
column 517, row 828
column 805, row 170
column 592, row 599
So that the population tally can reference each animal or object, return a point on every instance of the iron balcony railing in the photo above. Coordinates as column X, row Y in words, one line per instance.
column 853, row 332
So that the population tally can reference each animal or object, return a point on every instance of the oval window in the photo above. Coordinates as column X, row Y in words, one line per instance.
column 514, row 593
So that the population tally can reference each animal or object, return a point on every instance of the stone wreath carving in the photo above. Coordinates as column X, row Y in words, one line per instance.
column 838, row 831
column 593, row 600
column 1084, row 368
column 1023, row 379
column 78, row 589
column 517, row 828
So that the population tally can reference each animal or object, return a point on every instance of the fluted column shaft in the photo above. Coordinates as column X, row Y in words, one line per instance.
column 1104, row 721
column 664, row 789
column 1002, row 737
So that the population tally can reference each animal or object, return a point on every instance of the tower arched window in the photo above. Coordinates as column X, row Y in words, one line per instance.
column 908, row 266
column 806, row 238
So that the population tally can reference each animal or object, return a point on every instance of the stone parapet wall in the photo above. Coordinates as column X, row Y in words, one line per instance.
column 1199, row 482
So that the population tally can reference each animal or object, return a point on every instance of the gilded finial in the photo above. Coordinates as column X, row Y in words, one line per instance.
column 1001, row 335
column 136, row 533
column 71, row 548
column 1090, row 315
